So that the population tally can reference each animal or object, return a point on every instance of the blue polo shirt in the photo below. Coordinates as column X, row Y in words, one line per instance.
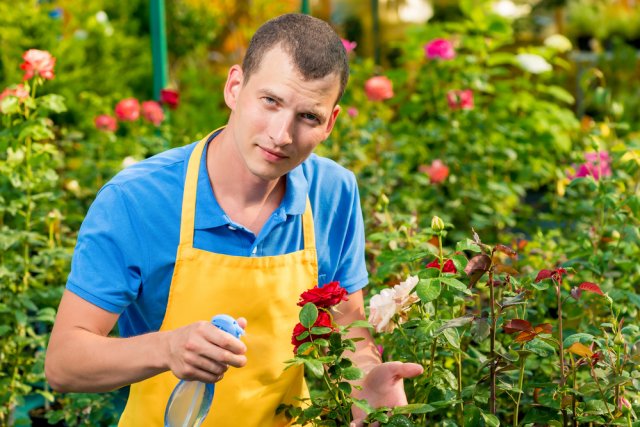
column 125, row 254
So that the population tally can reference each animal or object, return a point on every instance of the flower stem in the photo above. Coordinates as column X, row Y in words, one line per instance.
column 492, row 355
column 520, row 384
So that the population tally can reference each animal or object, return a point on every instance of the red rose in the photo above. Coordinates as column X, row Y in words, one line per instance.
column 378, row 88
column 170, row 97
column 449, row 266
column 152, row 112
column 326, row 296
column 38, row 62
column 106, row 123
column 128, row 110
column 437, row 171
column 323, row 320
column 460, row 99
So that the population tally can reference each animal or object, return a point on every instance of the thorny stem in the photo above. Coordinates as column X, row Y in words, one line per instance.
column 602, row 396
column 561, row 348
column 492, row 356
column 458, row 358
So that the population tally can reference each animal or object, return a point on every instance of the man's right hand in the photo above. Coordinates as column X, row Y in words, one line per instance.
column 203, row 352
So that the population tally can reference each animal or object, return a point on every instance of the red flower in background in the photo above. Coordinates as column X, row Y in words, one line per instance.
column 106, row 123
column 460, row 99
column 439, row 49
column 323, row 320
column 437, row 171
column 553, row 274
column 378, row 88
column 19, row 91
column 152, row 112
column 38, row 62
column 449, row 266
column 324, row 297
column 128, row 110
column 170, row 98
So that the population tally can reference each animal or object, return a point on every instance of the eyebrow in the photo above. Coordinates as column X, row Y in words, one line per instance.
column 321, row 117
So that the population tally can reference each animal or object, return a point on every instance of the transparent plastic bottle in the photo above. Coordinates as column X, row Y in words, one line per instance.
column 190, row 401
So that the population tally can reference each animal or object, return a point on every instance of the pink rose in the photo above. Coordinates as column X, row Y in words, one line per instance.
column 352, row 112
column 128, row 110
column 439, row 49
column 378, row 88
column 348, row 45
column 598, row 164
column 106, row 123
column 437, row 171
column 460, row 99
column 152, row 112
column 19, row 91
column 38, row 62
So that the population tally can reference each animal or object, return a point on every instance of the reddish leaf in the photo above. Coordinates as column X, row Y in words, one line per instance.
column 543, row 328
column 590, row 287
column 517, row 325
column 476, row 267
column 525, row 336
column 506, row 250
column 580, row 349
column 543, row 274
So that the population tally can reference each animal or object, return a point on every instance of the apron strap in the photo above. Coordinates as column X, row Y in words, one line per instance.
column 308, row 235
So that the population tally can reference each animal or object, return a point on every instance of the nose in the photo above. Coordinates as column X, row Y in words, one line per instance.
column 281, row 129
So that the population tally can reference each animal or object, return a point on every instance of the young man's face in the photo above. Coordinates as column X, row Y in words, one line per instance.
column 277, row 117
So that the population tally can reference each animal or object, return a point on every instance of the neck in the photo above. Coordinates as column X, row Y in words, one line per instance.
column 245, row 198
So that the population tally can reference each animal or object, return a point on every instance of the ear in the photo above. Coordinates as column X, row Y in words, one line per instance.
column 232, row 86
column 332, row 120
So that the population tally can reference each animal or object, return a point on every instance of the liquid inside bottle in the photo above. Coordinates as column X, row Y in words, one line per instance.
column 189, row 404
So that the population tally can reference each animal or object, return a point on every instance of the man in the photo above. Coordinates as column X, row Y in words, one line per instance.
column 240, row 223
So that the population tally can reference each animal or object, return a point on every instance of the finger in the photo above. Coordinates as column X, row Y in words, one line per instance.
column 225, row 340
column 410, row 370
column 242, row 322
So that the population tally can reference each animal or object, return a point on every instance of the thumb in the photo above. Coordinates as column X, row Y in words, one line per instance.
column 408, row 370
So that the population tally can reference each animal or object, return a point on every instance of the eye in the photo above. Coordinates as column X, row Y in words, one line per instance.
column 268, row 100
column 310, row 117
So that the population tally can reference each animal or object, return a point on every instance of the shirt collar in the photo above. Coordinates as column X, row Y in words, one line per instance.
column 209, row 214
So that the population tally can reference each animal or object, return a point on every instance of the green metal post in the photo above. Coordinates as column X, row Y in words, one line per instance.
column 375, row 18
column 305, row 7
column 159, row 47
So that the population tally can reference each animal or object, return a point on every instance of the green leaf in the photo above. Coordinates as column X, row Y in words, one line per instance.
column 315, row 367
column 47, row 314
column 10, row 105
column 468, row 245
column 308, row 315
column 582, row 338
column 352, row 373
column 428, row 290
column 345, row 387
column 399, row 421
column 558, row 93
column 455, row 284
column 53, row 102
column 304, row 347
column 452, row 337
column 302, row 336
column 472, row 416
column 320, row 330
column 36, row 131
column 414, row 408
column 490, row 420
column 457, row 322
column 360, row 324
column 480, row 330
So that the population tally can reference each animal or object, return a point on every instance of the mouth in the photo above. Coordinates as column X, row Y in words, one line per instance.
column 272, row 154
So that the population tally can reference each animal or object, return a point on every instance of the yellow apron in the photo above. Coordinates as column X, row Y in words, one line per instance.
column 265, row 291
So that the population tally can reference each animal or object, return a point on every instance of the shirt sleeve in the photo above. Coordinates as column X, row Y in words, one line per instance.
column 108, row 260
column 351, row 269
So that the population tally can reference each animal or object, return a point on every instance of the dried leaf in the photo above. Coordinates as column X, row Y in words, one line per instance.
column 517, row 325
column 525, row 336
column 501, row 268
column 543, row 328
column 476, row 267
column 506, row 250
column 590, row 287
column 580, row 349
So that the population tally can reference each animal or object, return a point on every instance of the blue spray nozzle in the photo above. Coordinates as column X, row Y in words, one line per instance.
column 227, row 324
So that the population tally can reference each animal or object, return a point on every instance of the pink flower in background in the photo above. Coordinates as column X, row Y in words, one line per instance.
column 460, row 99
column 170, row 97
column 378, row 88
column 19, row 91
column 38, row 62
column 437, row 171
column 439, row 49
column 106, row 123
column 348, row 45
column 352, row 112
column 152, row 112
column 597, row 165
column 128, row 110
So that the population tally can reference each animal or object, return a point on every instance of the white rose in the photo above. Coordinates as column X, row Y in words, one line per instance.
column 535, row 64
column 382, row 307
column 558, row 42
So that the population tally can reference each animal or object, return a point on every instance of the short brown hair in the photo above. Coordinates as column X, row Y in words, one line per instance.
column 314, row 47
